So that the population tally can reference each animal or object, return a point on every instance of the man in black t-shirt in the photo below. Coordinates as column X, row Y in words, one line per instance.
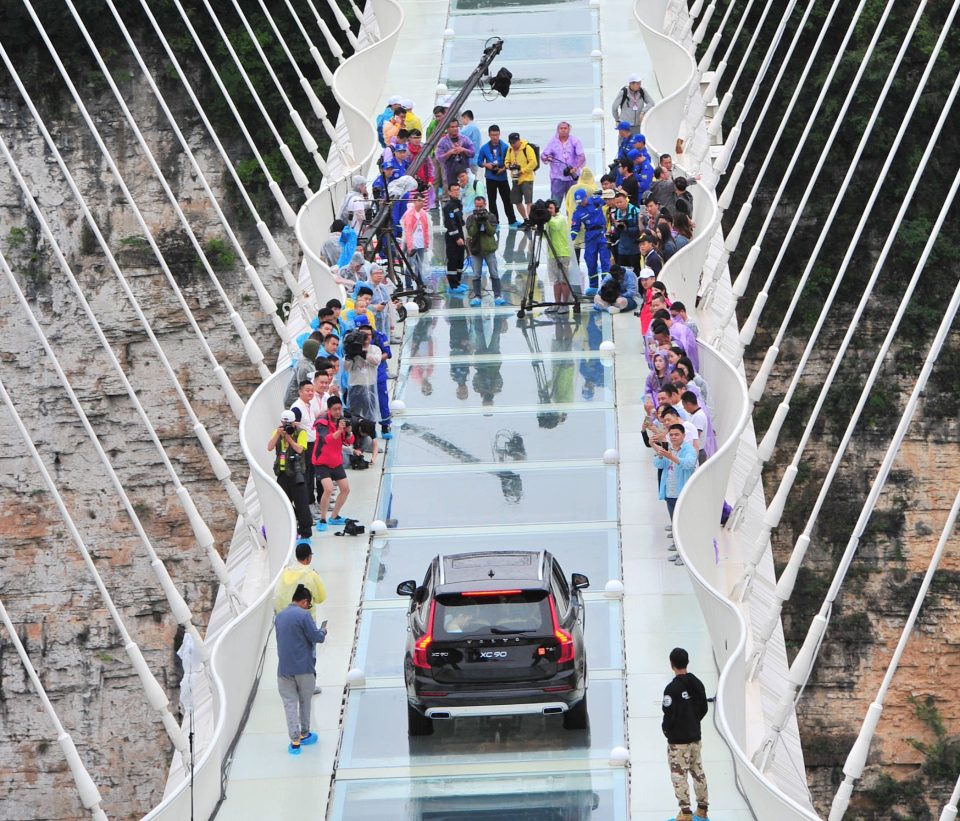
column 684, row 706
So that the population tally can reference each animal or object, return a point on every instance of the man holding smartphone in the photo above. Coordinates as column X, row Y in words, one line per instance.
column 297, row 635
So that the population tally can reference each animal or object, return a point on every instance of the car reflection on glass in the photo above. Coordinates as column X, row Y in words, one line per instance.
column 496, row 633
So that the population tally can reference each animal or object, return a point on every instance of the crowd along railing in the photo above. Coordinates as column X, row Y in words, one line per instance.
column 236, row 655
column 697, row 515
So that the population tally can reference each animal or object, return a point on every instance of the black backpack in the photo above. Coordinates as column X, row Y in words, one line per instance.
column 536, row 154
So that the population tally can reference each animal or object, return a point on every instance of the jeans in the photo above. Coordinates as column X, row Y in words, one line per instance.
column 416, row 258
column 671, row 504
column 296, row 693
column 491, row 260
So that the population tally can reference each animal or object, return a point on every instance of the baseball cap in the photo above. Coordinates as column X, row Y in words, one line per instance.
column 638, row 138
column 407, row 103
column 400, row 147
column 579, row 195
column 633, row 78
column 513, row 136
column 646, row 273
column 394, row 100
column 360, row 321
column 288, row 416
column 623, row 125
column 633, row 154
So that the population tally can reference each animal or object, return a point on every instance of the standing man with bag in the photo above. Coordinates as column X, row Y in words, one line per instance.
column 288, row 444
column 493, row 157
column 631, row 103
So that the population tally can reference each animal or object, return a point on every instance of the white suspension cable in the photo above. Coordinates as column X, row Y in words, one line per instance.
column 298, row 174
column 740, row 285
column 857, row 758
column 249, row 344
column 319, row 111
column 288, row 215
column 750, row 326
column 299, row 177
column 89, row 794
column 803, row 663
column 770, row 438
column 252, row 275
column 179, row 608
column 305, row 136
column 788, row 577
column 217, row 462
column 950, row 811
column 344, row 24
column 325, row 71
column 696, row 100
column 155, row 694
column 332, row 43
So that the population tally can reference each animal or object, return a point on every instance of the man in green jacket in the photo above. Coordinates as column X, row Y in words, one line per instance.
column 482, row 243
column 558, row 259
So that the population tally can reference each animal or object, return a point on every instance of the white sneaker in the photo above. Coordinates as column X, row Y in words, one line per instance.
column 668, row 528
column 613, row 309
column 671, row 546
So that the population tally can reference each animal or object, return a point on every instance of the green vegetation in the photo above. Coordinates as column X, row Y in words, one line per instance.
column 16, row 237
column 219, row 254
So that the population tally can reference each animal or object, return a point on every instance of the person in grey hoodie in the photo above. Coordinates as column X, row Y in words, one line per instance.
column 297, row 634
column 304, row 366
column 631, row 103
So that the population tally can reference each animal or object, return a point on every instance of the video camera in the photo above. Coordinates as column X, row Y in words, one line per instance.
column 539, row 214
column 353, row 344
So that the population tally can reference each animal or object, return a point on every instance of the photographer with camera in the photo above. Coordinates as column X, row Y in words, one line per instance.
column 493, row 157
column 455, row 152
column 334, row 432
column 521, row 163
column 566, row 158
column 361, row 361
column 482, row 244
column 558, row 259
column 289, row 444
column 618, row 291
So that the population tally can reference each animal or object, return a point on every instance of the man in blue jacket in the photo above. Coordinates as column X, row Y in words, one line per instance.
column 492, row 157
column 297, row 635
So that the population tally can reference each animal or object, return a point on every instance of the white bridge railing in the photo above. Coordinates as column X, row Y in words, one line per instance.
column 237, row 652
column 697, row 517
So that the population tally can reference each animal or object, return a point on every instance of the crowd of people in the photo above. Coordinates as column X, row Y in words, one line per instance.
column 606, row 241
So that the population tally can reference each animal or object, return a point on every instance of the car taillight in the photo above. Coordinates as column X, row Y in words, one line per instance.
column 420, row 648
column 567, row 650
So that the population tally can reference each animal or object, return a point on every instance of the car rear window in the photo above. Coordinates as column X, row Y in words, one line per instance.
column 524, row 612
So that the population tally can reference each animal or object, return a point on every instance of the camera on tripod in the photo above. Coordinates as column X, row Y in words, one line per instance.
column 539, row 214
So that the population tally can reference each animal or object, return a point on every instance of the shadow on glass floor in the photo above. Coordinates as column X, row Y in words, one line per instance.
column 375, row 733
column 572, row 796
column 394, row 559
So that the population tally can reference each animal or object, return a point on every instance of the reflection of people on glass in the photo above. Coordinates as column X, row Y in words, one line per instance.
column 463, row 619
column 591, row 369
column 421, row 344
column 459, row 346
column 559, row 385
column 485, row 332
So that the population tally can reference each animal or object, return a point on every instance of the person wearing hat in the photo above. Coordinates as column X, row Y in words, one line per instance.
column 289, row 446
column 642, row 172
column 353, row 210
column 624, row 133
column 302, row 367
column 521, row 163
column 411, row 121
column 393, row 103
column 631, row 103
column 590, row 218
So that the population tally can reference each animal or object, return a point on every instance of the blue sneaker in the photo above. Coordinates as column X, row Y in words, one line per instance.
column 308, row 739
column 597, row 307
column 499, row 301
column 321, row 526
column 386, row 436
column 337, row 520
column 516, row 224
column 462, row 288
column 475, row 302
column 293, row 749
column 590, row 292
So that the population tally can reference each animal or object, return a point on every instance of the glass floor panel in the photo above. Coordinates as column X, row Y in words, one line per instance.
column 562, row 21
column 428, row 441
column 375, row 733
column 523, row 47
column 599, row 795
column 559, row 74
column 467, row 335
column 595, row 553
column 503, row 383
column 580, row 494
column 516, row 5
column 381, row 644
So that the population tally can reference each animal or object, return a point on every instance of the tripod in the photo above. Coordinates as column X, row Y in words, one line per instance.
column 528, row 302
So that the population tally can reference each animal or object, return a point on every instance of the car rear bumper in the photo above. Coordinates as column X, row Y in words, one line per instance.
column 473, row 710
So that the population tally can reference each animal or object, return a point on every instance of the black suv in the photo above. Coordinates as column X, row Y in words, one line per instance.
column 495, row 633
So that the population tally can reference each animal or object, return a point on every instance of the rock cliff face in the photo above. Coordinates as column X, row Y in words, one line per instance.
column 60, row 616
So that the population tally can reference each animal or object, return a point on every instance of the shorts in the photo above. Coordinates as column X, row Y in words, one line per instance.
column 323, row 472
column 522, row 192
column 553, row 268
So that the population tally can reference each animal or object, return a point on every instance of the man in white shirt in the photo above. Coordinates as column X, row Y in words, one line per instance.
column 304, row 419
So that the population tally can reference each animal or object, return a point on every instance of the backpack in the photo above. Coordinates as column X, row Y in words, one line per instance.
column 322, row 427
column 536, row 154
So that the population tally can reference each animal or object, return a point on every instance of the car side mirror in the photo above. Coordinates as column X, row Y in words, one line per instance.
column 407, row 588
column 579, row 582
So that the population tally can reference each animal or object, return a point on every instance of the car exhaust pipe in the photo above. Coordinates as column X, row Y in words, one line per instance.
column 439, row 715
column 552, row 711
